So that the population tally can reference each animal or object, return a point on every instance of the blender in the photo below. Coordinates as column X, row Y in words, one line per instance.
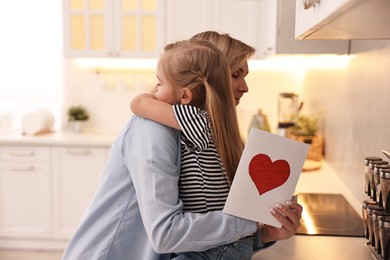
column 288, row 109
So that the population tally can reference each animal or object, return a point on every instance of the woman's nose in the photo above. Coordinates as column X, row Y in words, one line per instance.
column 243, row 87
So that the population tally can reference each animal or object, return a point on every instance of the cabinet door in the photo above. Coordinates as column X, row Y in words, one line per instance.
column 186, row 18
column 286, row 42
column 252, row 22
column 87, row 28
column 25, row 193
column 138, row 27
column 309, row 17
column 249, row 21
column 76, row 175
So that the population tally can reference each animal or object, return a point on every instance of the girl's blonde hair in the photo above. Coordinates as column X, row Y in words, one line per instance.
column 202, row 67
column 235, row 51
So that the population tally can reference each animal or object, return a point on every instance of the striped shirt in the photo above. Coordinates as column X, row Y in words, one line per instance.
column 203, row 183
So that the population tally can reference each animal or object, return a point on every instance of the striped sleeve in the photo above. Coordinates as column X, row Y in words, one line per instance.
column 195, row 127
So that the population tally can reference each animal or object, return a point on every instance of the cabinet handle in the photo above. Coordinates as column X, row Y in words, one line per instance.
column 307, row 4
column 22, row 168
column 78, row 152
column 22, row 153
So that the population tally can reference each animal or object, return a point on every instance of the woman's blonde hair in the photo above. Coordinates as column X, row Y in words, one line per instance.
column 202, row 67
column 235, row 51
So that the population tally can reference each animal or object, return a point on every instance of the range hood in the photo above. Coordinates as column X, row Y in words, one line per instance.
column 349, row 20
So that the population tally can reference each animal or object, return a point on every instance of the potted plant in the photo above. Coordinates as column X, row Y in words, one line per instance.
column 306, row 130
column 306, row 125
column 76, row 115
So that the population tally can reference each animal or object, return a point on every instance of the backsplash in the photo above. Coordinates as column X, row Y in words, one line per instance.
column 106, row 95
column 356, row 110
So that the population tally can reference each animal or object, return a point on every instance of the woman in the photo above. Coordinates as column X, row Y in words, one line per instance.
column 237, row 54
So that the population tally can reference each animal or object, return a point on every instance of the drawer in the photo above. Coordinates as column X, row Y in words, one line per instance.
column 8, row 153
column 24, row 167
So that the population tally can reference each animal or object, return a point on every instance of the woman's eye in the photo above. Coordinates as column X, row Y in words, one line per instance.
column 235, row 74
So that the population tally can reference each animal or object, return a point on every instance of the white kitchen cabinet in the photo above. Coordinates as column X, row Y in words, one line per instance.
column 76, row 175
column 244, row 20
column 342, row 19
column 311, row 12
column 286, row 28
column 113, row 28
column 46, row 183
column 25, row 193
column 267, row 25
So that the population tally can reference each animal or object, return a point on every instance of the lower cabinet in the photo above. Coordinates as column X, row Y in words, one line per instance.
column 44, row 191
column 76, row 175
column 25, row 192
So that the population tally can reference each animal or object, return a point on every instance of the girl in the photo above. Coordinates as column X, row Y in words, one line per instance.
column 194, row 95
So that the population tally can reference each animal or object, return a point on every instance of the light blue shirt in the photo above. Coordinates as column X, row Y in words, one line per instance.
column 136, row 213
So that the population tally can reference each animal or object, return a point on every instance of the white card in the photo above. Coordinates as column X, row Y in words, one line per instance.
column 267, row 174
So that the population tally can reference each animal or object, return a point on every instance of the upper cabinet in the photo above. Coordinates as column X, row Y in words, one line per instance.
column 342, row 19
column 140, row 28
column 267, row 25
column 243, row 20
column 286, row 42
column 113, row 28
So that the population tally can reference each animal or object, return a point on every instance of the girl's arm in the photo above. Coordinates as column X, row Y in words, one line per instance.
column 146, row 105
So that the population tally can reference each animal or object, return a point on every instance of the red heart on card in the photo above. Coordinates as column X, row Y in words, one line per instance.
column 268, row 175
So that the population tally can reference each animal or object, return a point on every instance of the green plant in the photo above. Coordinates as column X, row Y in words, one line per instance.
column 77, row 113
column 306, row 125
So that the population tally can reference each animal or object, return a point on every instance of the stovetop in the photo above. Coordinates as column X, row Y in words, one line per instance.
column 328, row 214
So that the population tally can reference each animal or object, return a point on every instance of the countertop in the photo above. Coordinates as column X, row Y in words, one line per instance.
column 304, row 247
column 60, row 138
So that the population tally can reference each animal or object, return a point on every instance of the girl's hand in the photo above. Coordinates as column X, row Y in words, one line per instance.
column 289, row 216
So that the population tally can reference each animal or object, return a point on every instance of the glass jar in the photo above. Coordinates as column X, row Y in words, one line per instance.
column 371, row 166
column 370, row 211
column 367, row 160
column 385, row 188
column 377, row 182
column 376, row 215
column 365, row 216
column 384, row 236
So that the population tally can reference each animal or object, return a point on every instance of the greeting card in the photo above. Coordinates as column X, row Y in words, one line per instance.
column 267, row 174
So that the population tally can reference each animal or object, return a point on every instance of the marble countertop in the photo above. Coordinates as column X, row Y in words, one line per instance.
column 305, row 247
column 60, row 138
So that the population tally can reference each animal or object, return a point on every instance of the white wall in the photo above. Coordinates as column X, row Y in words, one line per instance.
column 356, row 120
column 106, row 95
column 30, row 57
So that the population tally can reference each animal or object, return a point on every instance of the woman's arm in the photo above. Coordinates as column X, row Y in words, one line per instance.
column 146, row 105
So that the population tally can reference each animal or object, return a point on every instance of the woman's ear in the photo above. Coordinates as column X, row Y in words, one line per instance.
column 186, row 96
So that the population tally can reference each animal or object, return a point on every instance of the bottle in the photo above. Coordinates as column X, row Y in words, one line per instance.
column 385, row 188
column 371, row 166
column 367, row 160
column 260, row 121
column 377, row 181
column 365, row 204
column 370, row 223
column 384, row 236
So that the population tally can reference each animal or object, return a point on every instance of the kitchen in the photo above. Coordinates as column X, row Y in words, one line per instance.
column 352, row 90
